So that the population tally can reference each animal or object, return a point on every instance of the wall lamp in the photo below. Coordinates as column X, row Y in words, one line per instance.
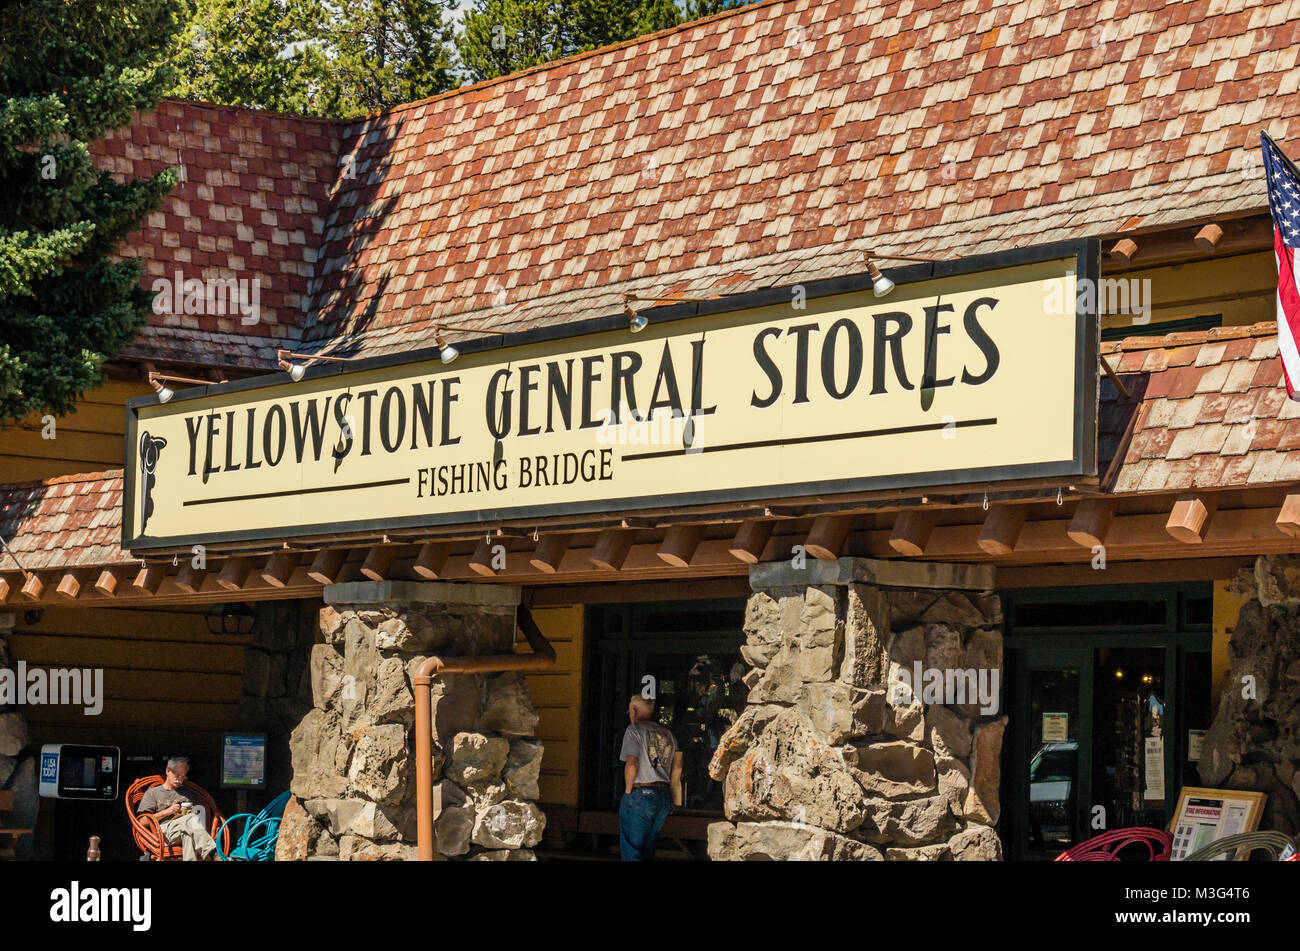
column 881, row 285
column 448, row 352
column 296, row 370
column 635, row 322
column 165, row 393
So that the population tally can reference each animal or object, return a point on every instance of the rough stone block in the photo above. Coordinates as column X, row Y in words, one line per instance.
column 894, row 769
column 982, row 802
column 476, row 759
column 784, row 842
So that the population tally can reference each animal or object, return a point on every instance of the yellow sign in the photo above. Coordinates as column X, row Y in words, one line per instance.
column 984, row 372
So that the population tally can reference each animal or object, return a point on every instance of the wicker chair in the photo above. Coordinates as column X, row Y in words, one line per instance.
column 144, row 827
column 1107, row 846
column 1274, row 843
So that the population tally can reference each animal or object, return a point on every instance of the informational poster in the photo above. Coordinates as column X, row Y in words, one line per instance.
column 1195, row 742
column 1207, row 815
column 1056, row 727
column 243, row 761
column 1155, row 768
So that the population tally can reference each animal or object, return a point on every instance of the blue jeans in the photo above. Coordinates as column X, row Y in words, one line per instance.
column 641, row 815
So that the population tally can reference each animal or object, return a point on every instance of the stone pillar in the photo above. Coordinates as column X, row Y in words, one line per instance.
column 834, row 756
column 1254, row 742
column 17, row 769
column 276, row 692
column 353, row 775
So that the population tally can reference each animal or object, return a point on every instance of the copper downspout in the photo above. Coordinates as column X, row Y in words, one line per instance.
column 542, row 657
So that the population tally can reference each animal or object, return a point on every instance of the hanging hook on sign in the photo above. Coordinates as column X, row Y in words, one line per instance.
column 1059, row 499
column 175, row 560
column 986, row 501
column 534, row 534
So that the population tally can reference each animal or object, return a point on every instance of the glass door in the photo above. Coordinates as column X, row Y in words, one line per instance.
column 1050, row 776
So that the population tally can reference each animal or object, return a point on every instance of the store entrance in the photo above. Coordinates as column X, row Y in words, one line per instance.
column 688, row 654
column 1109, row 693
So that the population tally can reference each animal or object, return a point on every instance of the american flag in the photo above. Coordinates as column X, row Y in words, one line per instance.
column 1284, row 201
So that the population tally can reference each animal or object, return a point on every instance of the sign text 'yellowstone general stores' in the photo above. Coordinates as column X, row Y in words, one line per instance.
column 984, row 371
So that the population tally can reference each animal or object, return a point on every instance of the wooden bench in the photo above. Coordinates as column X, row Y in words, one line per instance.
column 8, row 837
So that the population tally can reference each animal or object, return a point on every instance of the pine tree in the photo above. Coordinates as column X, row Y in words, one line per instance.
column 265, row 54
column 383, row 53
column 70, row 70
column 503, row 36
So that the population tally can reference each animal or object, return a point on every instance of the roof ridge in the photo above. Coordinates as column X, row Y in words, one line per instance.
column 1185, row 338
column 576, row 57
column 62, row 480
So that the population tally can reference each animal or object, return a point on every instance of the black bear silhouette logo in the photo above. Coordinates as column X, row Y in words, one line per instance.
column 150, row 447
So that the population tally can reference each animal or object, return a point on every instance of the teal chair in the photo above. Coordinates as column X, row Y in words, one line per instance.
column 257, row 842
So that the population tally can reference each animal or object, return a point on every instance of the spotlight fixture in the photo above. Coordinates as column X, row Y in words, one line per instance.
column 165, row 393
column 298, row 370
column 881, row 285
column 448, row 352
column 635, row 322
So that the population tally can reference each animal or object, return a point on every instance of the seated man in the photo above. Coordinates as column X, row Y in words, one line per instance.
column 176, row 815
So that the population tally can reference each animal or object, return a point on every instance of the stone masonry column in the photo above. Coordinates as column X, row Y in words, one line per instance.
column 353, row 774
column 827, row 761
column 17, row 770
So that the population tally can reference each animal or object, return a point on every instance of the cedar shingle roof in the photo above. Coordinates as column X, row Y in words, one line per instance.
column 771, row 145
column 1211, row 411
column 251, row 204
column 63, row 523
column 765, row 146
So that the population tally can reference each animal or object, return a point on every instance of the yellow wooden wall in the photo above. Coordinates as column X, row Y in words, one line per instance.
column 1226, row 609
column 169, row 685
column 88, row 440
column 1244, row 287
column 557, row 695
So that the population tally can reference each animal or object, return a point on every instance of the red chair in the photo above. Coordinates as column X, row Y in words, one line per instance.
column 1107, row 846
column 144, row 827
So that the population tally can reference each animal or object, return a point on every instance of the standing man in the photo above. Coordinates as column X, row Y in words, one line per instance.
column 174, row 810
column 652, row 767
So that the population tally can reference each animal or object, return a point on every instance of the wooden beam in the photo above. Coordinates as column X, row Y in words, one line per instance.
column 1288, row 516
column 1190, row 517
column 69, row 585
column 1091, row 522
column 378, row 561
column 912, row 531
column 149, row 578
column 751, row 539
column 279, row 568
column 189, row 578
column 5, row 589
column 432, row 556
column 680, row 543
column 1124, row 250
column 826, row 538
column 481, row 561
column 234, row 573
column 33, row 587
column 109, row 581
column 327, row 565
column 612, row 546
column 550, row 552
column 1001, row 529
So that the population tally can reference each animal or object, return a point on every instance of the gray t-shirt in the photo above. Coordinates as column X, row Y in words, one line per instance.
column 653, row 746
column 157, row 798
